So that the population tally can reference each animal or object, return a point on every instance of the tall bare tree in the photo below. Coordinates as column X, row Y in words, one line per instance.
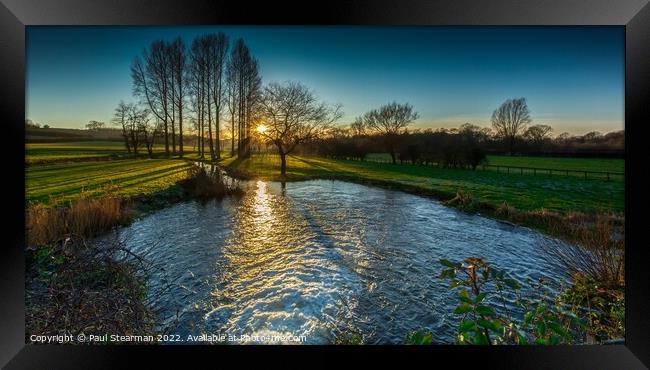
column 208, row 85
column 120, row 117
column 510, row 119
column 290, row 115
column 390, row 121
column 151, row 81
column 198, row 91
column 176, row 54
column 247, row 83
column 218, row 57
column 232, row 100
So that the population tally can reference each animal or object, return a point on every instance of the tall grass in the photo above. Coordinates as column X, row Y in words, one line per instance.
column 597, row 252
column 84, row 217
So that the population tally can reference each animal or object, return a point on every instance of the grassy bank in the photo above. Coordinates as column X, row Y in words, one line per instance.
column 559, row 206
column 524, row 192
column 74, row 286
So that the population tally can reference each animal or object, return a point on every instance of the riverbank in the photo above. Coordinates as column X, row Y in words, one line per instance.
column 76, row 287
column 557, row 206
column 146, row 185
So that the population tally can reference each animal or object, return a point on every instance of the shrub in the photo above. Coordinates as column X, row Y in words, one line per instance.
column 482, row 292
column 203, row 185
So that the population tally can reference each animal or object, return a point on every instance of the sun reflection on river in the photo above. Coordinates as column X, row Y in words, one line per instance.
column 320, row 259
column 263, row 263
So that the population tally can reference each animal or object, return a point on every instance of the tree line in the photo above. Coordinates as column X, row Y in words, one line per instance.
column 181, row 88
column 214, row 85
column 386, row 129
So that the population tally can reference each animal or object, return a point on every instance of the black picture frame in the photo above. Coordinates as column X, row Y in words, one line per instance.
column 634, row 15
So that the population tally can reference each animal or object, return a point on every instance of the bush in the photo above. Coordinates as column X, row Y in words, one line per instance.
column 604, row 308
column 203, row 185
column 483, row 292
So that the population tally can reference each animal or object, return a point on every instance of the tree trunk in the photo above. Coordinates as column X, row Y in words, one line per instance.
column 166, row 138
column 126, row 140
column 232, row 139
column 173, row 138
column 392, row 155
column 180, row 131
column 210, row 140
column 217, row 124
column 283, row 164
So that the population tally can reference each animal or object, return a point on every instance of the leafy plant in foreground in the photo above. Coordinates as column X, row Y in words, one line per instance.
column 483, row 293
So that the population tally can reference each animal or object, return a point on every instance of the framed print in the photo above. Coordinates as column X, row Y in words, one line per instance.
column 458, row 179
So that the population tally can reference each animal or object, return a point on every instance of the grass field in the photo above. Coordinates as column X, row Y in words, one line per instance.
column 50, row 152
column 524, row 192
column 40, row 153
column 128, row 177
column 45, row 178
column 577, row 164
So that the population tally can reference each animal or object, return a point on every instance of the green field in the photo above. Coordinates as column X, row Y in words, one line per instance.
column 136, row 176
column 41, row 153
column 51, row 152
column 128, row 177
column 525, row 192
column 577, row 164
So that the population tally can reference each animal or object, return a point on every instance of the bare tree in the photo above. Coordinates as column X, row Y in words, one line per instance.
column 151, row 81
column 510, row 119
column 176, row 55
column 135, row 117
column 357, row 127
column 390, row 121
column 148, row 129
column 218, row 57
column 120, row 118
column 95, row 125
column 590, row 136
column 291, row 115
column 537, row 134
column 198, row 90
column 244, row 75
column 231, row 101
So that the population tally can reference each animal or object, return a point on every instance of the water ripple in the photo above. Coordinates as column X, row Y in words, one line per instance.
column 319, row 258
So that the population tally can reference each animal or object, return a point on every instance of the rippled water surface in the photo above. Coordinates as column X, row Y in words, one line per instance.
column 320, row 258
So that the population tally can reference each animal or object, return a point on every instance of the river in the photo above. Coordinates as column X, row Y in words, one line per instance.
column 320, row 259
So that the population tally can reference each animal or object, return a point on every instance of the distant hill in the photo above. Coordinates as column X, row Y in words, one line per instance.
column 41, row 135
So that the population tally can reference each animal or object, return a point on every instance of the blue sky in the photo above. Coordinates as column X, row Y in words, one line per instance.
column 573, row 77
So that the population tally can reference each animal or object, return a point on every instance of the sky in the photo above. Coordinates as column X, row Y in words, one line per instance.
column 572, row 77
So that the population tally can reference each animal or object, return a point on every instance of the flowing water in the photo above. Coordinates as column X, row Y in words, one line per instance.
column 320, row 259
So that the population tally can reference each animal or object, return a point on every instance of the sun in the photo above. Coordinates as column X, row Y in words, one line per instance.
column 262, row 129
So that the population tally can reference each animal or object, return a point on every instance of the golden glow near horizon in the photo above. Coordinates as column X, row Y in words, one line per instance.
column 261, row 128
